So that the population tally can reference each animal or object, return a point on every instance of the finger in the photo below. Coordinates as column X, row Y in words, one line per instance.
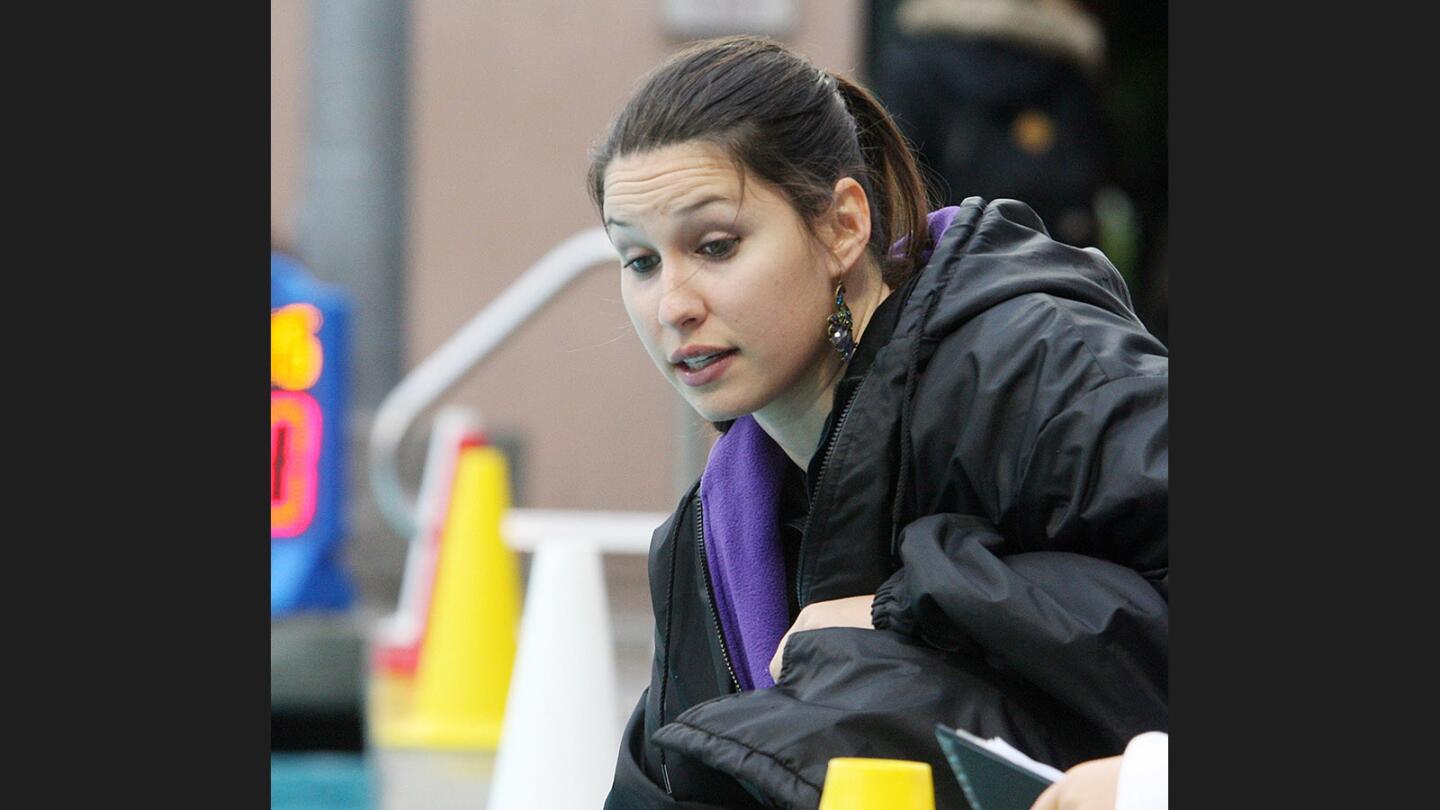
column 1049, row 799
column 778, row 659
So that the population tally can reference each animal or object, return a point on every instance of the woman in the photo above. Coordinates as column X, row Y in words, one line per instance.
column 941, row 491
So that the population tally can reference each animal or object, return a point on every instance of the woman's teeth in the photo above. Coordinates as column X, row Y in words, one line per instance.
column 696, row 363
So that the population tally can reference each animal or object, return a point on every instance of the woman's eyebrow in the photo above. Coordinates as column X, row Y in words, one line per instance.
column 701, row 203
column 683, row 210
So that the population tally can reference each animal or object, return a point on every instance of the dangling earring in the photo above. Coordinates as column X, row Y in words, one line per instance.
column 838, row 326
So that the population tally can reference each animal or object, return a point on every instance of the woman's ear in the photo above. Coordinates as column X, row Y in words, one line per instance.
column 849, row 221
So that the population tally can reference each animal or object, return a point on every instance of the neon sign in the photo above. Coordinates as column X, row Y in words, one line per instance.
column 296, row 355
column 295, row 427
column 296, row 358
column 309, row 368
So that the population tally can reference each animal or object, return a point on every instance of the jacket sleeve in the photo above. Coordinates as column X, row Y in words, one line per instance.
column 1098, row 479
column 633, row 789
column 1070, row 590
column 1090, row 633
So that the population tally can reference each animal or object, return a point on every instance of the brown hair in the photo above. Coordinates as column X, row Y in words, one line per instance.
column 796, row 126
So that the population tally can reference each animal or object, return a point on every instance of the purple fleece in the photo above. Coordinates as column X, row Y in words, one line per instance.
column 740, row 502
column 936, row 222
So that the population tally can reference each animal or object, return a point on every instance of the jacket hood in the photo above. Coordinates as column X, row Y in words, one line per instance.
column 984, row 254
column 990, row 253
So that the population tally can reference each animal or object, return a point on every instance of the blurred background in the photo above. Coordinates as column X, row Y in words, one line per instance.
column 426, row 153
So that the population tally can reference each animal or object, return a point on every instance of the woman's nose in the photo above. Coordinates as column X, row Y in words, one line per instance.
column 681, row 305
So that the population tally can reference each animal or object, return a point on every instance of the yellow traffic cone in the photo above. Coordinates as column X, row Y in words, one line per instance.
column 457, row 699
column 858, row 783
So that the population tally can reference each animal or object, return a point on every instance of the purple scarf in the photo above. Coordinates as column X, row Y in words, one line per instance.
column 740, row 502
column 936, row 222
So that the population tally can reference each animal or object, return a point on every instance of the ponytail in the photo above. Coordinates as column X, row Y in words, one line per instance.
column 899, row 197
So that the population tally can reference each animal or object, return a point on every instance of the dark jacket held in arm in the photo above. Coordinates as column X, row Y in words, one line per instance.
column 997, row 475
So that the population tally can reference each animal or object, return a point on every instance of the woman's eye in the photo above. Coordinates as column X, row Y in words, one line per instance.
column 718, row 248
column 643, row 264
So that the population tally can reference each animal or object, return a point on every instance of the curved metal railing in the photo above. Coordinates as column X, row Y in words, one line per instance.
column 449, row 364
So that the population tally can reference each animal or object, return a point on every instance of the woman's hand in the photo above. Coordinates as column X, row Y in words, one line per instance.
column 852, row 611
column 1087, row 786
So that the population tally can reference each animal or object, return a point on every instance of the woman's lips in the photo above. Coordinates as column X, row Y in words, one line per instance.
column 707, row 373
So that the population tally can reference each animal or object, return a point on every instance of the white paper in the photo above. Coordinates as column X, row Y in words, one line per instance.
column 1018, row 757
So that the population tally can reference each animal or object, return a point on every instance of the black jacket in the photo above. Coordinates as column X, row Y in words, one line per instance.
column 997, row 475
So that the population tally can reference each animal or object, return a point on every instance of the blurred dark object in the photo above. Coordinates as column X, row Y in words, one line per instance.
column 1059, row 104
column 998, row 99
column 317, row 731
column 1134, row 91
column 317, row 681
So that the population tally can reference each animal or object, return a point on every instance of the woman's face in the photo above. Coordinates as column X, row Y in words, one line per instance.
column 729, row 297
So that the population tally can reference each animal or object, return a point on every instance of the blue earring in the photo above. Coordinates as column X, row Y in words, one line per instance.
column 839, row 325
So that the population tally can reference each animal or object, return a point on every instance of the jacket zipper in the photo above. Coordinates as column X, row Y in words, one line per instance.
column 705, row 561
column 665, row 665
column 714, row 619
column 819, row 477
column 709, row 591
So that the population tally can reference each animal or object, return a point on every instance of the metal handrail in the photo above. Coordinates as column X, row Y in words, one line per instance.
column 449, row 364
column 611, row 532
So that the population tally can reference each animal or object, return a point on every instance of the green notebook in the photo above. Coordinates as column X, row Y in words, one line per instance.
column 993, row 774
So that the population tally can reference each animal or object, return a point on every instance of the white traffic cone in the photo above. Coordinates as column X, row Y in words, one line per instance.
column 559, row 741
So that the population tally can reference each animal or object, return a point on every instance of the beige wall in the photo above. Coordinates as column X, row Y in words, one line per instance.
column 506, row 99
column 289, row 25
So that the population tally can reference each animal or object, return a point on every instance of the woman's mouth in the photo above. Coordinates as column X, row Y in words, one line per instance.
column 700, row 369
